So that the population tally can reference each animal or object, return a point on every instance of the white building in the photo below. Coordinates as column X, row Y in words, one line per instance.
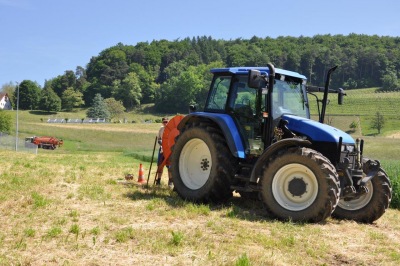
column 5, row 103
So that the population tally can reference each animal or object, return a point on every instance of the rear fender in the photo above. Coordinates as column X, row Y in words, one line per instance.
column 227, row 126
column 285, row 143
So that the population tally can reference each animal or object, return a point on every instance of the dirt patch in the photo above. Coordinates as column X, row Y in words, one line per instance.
column 394, row 136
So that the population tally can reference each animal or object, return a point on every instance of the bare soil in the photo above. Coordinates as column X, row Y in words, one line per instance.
column 395, row 135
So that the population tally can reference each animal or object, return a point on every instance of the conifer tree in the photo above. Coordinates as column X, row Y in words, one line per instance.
column 99, row 108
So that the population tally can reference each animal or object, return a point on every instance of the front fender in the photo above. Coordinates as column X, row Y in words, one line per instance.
column 291, row 142
column 227, row 126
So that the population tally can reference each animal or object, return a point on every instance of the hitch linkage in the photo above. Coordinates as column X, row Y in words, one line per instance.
column 354, row 181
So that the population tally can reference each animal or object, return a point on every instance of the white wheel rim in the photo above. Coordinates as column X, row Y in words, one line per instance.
column 359, row 203
column 195, row 164
column 280, row 187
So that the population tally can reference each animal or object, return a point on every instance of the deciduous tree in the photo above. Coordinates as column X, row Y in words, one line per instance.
column 116, row 108
column 5, row 122
column 49, row 100
column 29, row 93
column 390, row 80
column 129, row 91
column 63, row 82
column 71, row 98
column 147, row 83
column 378, row 122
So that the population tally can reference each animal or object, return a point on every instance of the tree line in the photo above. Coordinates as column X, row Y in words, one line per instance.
column 174, row 74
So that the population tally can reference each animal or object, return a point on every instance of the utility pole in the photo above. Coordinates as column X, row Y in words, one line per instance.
column 16, row 131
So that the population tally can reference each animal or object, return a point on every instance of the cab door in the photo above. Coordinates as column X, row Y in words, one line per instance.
column 243, row 102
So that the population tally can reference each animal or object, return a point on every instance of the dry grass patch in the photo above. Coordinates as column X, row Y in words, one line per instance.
column 150, row 128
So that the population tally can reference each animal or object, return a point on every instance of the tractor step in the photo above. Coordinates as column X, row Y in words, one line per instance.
column 246, row 165
column 242, row 177
column 249, row 188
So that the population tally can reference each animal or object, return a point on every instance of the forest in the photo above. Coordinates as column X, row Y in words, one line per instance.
column 174, row 74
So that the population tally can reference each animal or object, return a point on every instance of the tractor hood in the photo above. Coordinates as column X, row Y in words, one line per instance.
column 316, row 131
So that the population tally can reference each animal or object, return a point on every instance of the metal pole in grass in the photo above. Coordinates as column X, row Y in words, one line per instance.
column 152, row 158
column 16, row 131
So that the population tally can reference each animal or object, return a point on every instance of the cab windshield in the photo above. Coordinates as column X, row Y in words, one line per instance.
column 288, row 98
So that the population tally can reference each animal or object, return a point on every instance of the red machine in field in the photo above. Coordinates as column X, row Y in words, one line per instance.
column 45, row 142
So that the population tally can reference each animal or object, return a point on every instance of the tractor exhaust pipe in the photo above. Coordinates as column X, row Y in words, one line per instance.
column 325, row 99
column 268, row 127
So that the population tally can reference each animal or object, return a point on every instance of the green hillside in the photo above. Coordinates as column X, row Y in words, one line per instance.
column 364, row 102
column 362, row 105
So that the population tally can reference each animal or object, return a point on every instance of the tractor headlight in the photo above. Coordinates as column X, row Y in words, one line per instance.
column 348, row 148
column 348, row 153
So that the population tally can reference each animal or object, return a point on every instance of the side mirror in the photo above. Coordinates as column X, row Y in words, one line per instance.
column 341, row 93
column 254, row 79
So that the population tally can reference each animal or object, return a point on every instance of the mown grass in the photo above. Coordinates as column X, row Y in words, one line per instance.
column 97, row 137
column 90, row 215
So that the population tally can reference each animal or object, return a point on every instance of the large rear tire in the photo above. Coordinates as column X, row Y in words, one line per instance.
column 301, row 185
column 370, row 206
column 202, row 164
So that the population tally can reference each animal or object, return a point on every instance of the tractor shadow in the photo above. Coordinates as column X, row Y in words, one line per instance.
column 42, row 112
column 235, row 208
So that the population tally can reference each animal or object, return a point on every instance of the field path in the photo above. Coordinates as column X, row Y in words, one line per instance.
column 136, row 128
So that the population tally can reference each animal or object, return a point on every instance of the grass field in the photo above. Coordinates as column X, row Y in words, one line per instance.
column 62, row 208
column 72, row 205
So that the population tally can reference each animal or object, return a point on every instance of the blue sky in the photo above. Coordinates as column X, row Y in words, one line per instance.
column 41, row 39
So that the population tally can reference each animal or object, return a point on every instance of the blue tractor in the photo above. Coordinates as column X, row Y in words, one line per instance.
column 255, row 137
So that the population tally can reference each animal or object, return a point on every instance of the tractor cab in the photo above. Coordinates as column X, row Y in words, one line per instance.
column 253, row 109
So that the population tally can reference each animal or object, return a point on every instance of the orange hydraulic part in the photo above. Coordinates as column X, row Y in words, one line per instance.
column 168, row 138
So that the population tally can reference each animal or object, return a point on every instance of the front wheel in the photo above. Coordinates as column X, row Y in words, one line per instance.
column 301, row 185
column 370, row 206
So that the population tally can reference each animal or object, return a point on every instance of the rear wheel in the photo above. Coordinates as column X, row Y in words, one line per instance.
column 202, row 165
column 370, row 206
column 300, row 184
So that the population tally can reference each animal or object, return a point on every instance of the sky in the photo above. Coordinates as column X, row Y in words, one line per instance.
column 41, row 39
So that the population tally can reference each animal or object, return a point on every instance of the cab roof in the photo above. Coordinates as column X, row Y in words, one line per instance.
column 264, row 70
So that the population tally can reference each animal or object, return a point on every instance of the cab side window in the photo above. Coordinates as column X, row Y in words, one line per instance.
column 219, row 93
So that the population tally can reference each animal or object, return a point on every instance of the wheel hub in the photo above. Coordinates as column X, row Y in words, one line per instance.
column 297, row 187
column 205, row 164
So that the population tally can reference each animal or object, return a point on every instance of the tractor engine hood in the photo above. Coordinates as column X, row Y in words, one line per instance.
column 316, row 131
